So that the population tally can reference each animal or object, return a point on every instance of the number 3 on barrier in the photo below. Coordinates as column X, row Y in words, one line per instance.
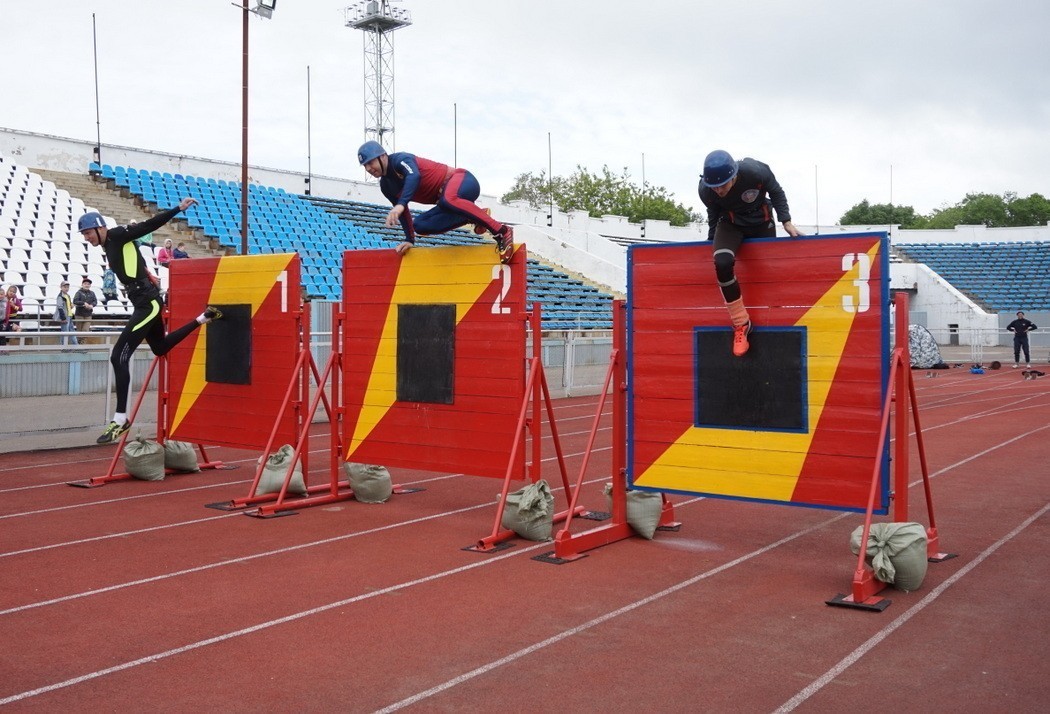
column 863, row 262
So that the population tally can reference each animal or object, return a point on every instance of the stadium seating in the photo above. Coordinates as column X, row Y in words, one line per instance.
column 1002, row 277
column 39, row 247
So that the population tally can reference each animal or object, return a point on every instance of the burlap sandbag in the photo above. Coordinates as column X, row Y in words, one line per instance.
column 144, row 459
column 369, row 482
column 180, row 456
column 529, row 512
column 643, row 510
column 896, row 552
column 275, row 470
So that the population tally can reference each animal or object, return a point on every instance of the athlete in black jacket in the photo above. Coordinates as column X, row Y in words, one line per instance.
column 1021, row 327
column 145, row 322
column 740, row 199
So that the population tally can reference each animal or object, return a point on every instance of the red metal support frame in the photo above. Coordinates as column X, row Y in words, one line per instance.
column 536, row 393
column 569, row 546
column 865, row 589
column 112, row 474
column 335, row 489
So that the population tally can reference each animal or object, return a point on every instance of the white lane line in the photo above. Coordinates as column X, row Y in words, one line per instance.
column 252, row 460
column 201, row 520
column 854, row 656
column 265, row 625
column 242, row 559
column 122, row 534
column 979, row 454
column 117, row 500
column 525, row 651
column 232, row 561
column 675, row 588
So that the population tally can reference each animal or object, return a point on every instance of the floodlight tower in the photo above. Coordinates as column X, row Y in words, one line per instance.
column 378, row 20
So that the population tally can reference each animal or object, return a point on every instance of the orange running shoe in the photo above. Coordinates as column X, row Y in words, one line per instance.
column 740, row 343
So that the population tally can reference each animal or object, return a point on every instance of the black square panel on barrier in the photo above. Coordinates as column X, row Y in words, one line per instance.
column 426, row 346
column 764, row 390
column 228, row 354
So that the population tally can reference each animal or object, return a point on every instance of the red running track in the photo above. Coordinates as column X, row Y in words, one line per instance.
column 134, row 597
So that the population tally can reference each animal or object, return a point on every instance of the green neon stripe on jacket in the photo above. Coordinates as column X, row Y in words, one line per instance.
column 155, row 304
column 131, row 260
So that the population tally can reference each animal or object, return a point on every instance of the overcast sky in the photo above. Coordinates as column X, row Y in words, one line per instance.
column 954, row 95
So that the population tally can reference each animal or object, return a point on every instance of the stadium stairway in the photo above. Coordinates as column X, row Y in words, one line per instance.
column 124, row 208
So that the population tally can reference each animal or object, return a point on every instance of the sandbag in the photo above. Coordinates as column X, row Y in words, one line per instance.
column 896, row 552
column 529, row 511
column 369, row 482
column 643, row 510
column 144, row 459
column 180, row 456
column 275, row 470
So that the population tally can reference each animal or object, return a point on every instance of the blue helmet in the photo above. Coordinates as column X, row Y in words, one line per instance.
column 91, row 220
column 370, row 150
column 719, row 169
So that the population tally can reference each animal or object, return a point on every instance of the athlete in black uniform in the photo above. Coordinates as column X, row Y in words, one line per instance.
column 1021, row 327
column 740, row 199
column 145, row 322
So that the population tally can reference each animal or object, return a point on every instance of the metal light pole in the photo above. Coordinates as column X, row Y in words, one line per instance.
column 98, row 119
column 309, row 165
column 244, row 130
column 263, row 8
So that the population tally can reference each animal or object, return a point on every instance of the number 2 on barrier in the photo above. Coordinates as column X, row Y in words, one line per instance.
column 501, row 272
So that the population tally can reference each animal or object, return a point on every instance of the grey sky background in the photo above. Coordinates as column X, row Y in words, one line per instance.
column 954, row 95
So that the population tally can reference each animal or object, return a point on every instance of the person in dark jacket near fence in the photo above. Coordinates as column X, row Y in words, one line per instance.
column 1021, row 327
column 143, row 291
column 740, row 197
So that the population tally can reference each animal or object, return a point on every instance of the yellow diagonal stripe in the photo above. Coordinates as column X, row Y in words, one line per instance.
column 239, row 280
column 733, row 462
column 445, row 275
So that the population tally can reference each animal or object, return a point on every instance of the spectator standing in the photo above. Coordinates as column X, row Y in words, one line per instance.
column 180, row 252
column 84, row 301
column 164, row 254
column 1021, row 327
column 109, row 286
column 64, row 314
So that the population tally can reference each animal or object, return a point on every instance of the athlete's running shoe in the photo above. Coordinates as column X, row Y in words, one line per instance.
column 740, row 343
column 505, row 244
column 113, row 432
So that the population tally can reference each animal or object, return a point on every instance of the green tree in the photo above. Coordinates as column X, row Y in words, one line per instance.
column 600, row 194
column 532, row 188
column 1031, row 211
column 974, row 210
column 977, row 209
column 881, row 214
